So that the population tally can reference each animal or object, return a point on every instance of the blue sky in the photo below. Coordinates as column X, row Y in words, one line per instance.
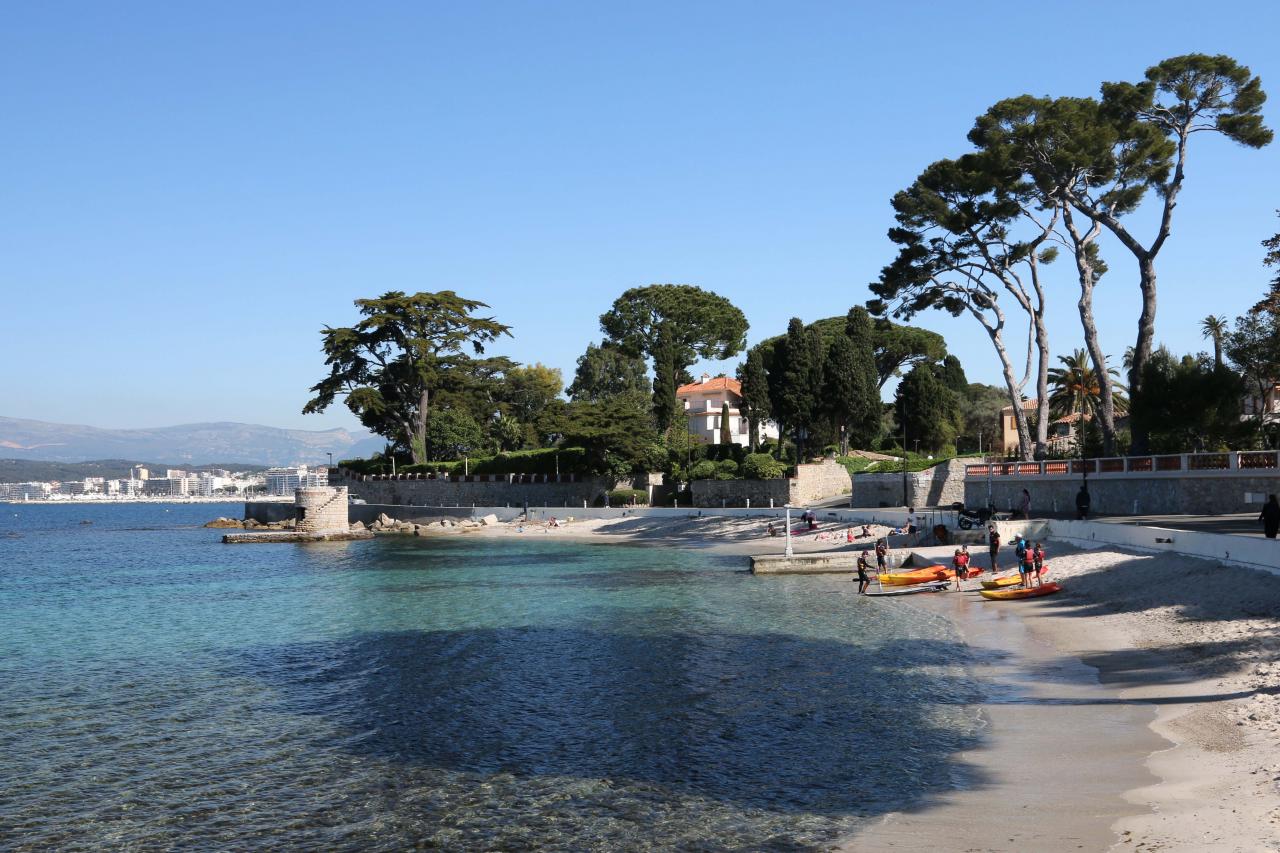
column 191, row 191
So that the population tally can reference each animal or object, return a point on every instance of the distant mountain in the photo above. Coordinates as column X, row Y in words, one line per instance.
column 189, row 444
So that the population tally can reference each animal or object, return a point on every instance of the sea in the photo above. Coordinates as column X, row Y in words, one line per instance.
column 162, row 690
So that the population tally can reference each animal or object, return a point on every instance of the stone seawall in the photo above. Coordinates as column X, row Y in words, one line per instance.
column 478, row 490
column 1197, row 494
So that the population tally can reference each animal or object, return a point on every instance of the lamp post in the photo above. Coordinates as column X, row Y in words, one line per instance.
column 788, row 531
column 905, row 499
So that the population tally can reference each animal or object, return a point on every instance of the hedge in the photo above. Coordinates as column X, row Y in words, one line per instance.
column 572, row 460
column 622, row 497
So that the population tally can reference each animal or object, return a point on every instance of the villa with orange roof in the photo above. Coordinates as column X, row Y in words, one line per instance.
column 704, row 403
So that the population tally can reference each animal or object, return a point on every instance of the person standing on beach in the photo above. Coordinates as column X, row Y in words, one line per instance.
column 1082, row 503
column 993, row 545
column 960, row 562
column 1025, row 504
column 864, row 580
column 882, row 556
column 1270, row 517
column 1037, row 561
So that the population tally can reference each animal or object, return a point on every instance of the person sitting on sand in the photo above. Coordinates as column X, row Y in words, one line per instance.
column 773, row 531
column 866, row 532
column 848, row 534
column 554, row 522
column 864, row 580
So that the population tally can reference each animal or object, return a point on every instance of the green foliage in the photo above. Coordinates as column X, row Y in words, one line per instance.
column 674, row 325
column 894, row 347
column 799, row 382
column 726, row 427
column 616, row 441
column 452, row 434
column 727, row 469
column 704, row 470
column 628, row 497
column 951, row 374
column 1189, row 405
column 756, row 407
column 980, row 407
column 606, row 374
column 1075, row 387
column 390, row 365
column 528, row 391
column 929, row 409
column 762, row 466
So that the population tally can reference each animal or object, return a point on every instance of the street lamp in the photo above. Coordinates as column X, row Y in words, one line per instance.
column 788, row 531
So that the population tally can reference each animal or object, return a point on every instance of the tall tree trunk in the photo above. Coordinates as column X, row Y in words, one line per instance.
column 1142, row 349
column 1010, row 380
column 418, row 435
column 1087, row 271
column 1042, row 367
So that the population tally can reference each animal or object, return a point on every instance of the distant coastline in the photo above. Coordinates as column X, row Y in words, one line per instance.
column 159, row 499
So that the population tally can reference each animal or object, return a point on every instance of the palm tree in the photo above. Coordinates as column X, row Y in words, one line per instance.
column 1214, row 327
column 1076, row 389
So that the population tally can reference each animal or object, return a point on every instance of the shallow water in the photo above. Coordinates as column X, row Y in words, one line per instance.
column 160, row 689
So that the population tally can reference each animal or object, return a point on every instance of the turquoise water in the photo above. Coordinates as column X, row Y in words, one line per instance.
column 159, row 689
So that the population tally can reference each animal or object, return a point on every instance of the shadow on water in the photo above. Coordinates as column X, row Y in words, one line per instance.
column 774, row 722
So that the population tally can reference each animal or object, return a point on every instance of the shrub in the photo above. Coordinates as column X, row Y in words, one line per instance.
column 623, row 497
column 762, row 466
column 726, row 469
column 704, row 470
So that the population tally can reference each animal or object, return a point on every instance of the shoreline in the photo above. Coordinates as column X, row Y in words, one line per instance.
column 1157, row 726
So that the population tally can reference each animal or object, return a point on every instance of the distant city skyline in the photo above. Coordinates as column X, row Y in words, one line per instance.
column 191, row 194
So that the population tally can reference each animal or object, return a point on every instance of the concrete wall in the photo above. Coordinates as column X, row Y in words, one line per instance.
column 941, row 485
column 1129, row 495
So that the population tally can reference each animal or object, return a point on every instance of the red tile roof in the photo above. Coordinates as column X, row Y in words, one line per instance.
column 719, row 383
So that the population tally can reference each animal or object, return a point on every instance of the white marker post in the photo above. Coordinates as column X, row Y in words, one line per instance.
column 788, row 531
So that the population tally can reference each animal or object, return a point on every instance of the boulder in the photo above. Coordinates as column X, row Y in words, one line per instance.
column 489, row 520
column 223, row 521
column 385, row 520
column 357, row 525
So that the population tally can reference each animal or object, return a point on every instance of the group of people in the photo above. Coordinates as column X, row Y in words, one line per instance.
column 864, row 563
column 1030, row 558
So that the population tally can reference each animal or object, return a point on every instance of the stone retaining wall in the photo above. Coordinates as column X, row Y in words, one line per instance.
column 1130, row 495
column 479, row 490
column 812, row 483
column 941, row 485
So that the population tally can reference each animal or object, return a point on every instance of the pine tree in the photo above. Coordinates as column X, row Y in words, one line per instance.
column 928, row 408
column 755, row 394
column 797, row 396
column 864, row 412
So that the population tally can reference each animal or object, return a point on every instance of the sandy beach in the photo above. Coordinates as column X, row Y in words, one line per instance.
column 1139, row 709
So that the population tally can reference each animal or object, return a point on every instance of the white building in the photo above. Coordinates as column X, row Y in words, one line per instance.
column 704, row 404
column 283, row 481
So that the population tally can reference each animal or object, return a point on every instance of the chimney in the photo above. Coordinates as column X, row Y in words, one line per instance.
column 705, row 377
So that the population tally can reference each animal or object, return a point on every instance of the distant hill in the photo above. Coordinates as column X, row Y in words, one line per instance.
column 31, row 470
column 183, row 445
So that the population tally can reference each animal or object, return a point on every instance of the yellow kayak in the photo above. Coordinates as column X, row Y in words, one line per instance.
column 1017, row 592
column 1009, row 580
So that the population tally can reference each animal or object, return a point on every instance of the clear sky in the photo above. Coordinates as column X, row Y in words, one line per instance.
column 191, row 191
